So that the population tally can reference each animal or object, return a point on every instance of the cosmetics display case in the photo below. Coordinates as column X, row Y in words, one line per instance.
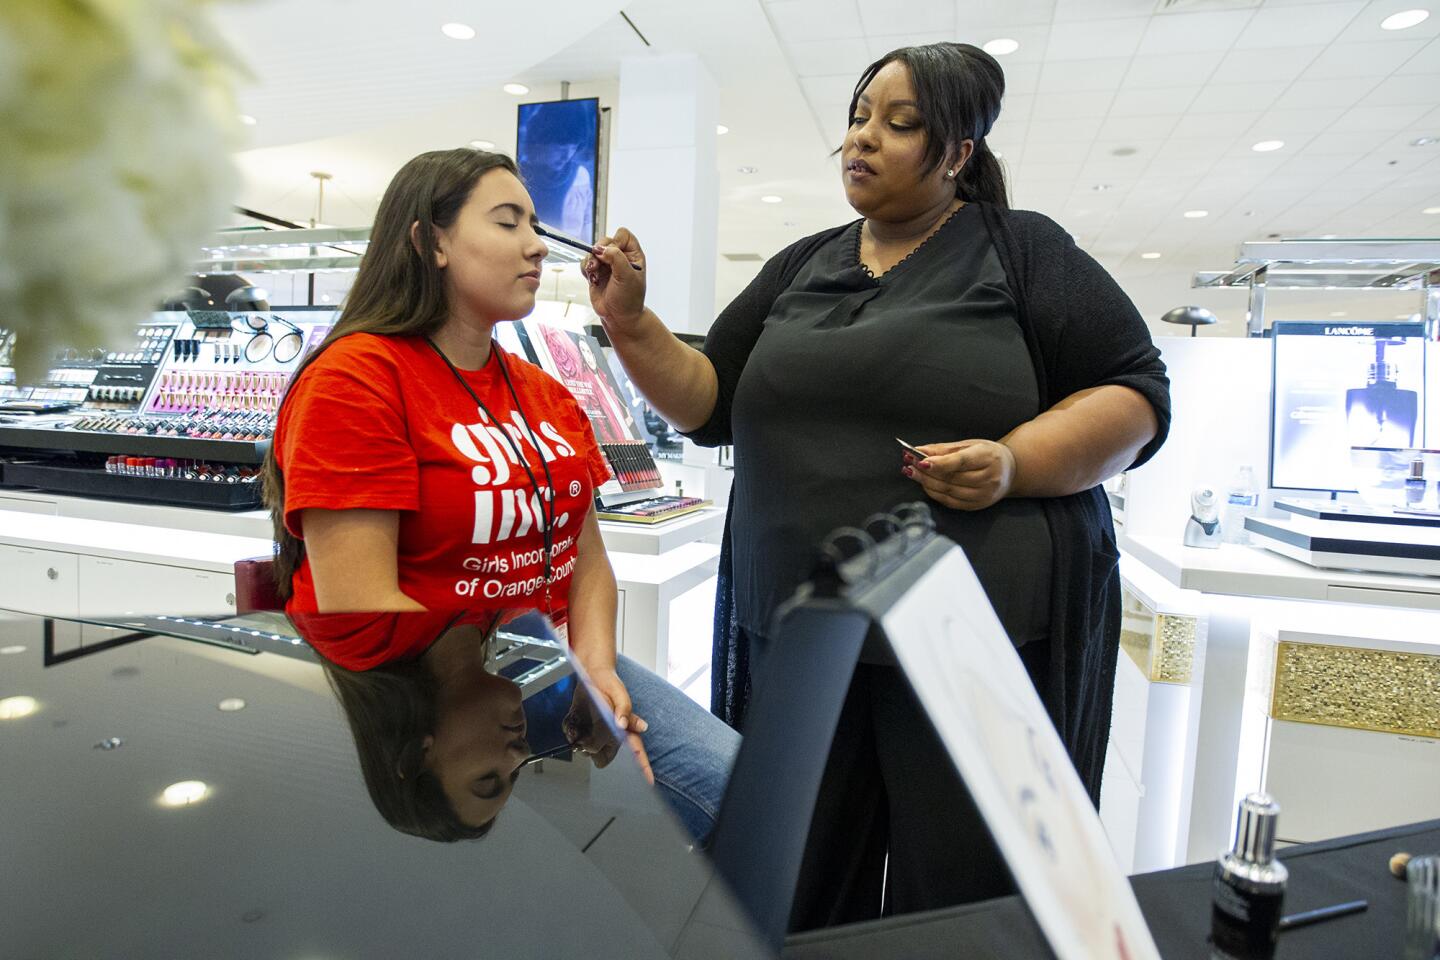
column 1313, row 678
column 183, row 418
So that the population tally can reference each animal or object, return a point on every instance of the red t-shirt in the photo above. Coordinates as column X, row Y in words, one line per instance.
column 381, row 423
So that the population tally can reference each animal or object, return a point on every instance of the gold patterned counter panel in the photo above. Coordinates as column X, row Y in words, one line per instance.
column 1357, row 688
column 1161, row 644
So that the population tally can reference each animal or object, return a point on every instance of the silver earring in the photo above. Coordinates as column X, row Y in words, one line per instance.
column 949, row 174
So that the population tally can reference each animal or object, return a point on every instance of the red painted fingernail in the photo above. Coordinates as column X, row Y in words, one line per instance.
column 908, row 471
column 909, row 458
column 924, row 464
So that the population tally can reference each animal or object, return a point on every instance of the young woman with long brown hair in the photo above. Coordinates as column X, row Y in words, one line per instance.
column 417, row 466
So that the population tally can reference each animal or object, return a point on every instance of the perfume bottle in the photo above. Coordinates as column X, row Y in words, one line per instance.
column 1415, row 483
column 1249, row 886
column 1380, row 414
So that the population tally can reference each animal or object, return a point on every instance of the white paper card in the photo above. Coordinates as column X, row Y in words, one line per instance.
column 975, row 689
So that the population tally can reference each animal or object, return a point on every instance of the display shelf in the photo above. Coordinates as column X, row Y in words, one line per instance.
column 660, row 538
column 1241, row 571
column 52, row 437
column 94, row 482
column 1334, row 264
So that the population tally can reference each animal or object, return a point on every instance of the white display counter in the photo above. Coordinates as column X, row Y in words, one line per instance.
column 1320, row 686
column 73, row 556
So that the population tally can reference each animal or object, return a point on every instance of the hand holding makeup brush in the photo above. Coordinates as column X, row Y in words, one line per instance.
column 617, row 279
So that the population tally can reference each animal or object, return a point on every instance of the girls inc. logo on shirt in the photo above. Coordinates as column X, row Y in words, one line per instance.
column 507, row 512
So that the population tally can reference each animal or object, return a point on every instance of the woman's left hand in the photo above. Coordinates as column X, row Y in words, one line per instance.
column 967, row 475
column 614, row 695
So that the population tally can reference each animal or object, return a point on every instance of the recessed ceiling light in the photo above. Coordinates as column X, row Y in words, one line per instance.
column 482, row 144
column 1266, row 146
column 721, row 129
column 13, row 708
column 771, row 198
column 1424, row 141
column 1102, row 187
column 1152, row 255
column 231, row 704
column 110, row 743
column 1404, row 20
column 1431, row 210
column 246, row 119
column 14, row 648
column 1196, row 214
column 1123, row 152
column 184, row 793
column 516, row 89
column 1001, row 46
column 458, row 31
column 747, row 169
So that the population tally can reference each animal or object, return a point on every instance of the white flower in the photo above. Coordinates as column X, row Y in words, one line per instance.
column 117, row 120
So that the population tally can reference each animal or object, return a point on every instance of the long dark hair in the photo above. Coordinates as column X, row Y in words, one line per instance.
column 391, row 710
column 398, row 291
column 958, row 89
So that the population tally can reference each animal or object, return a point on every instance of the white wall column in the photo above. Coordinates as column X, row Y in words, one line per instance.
column 664, row 185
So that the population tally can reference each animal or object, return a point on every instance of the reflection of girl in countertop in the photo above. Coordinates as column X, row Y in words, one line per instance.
column 442, row 738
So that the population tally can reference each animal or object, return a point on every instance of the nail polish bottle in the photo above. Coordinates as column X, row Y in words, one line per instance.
column 1249, row 886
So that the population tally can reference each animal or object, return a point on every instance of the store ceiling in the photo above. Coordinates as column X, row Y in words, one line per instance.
column 1189, row 91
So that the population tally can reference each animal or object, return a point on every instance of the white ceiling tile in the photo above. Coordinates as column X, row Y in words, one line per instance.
column 1426, row 61
column 1167, row 101
column 1060, row 169
column 1073, row 76
column 1344, row 60
column 1095, row 39
column 1282, row 123
column 1194, row 125
column 827, row 94
column 1056, row 132
column 1003, row 13
column 879, row 46
column 1065, row 106
column 1188, row 32
column 1369, row 119
column 1308, row 94
column 1033, row 41
column 1367, row 25
column 1261, row 66
column 1320, row 165
column 1021, row 78
column 1415, row 88
column 1171, row 69
column 1232, row 97
column 1297, row 26
column 829, row 57
column 800, row 20
column 1101, row 9
column 920, row 16
column 1014, row 111
column 1137, row 128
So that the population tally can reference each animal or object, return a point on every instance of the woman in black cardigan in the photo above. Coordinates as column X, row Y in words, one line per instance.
column 1026, row 377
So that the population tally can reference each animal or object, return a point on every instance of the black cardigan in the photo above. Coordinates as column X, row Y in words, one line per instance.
column 1082, row 331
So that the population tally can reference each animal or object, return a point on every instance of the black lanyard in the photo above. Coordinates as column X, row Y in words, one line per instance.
column 547, row 516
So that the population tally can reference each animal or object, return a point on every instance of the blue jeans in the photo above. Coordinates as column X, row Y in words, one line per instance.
column 691, row 751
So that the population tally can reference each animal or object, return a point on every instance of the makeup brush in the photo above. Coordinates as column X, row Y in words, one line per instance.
column 572, row 242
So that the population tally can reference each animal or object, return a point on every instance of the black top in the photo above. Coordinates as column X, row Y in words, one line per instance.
column 1081, row 331
column 846, row 362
